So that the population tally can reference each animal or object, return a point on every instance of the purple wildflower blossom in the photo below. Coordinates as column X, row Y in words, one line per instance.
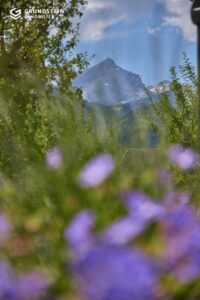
column 32, row 285
column 188, row 269
column 28, row 286
column 174, row 198
column 179, row 218
column 123, row 231
column 117, row 273
column 54, row 158
column 5, row 228
column 96, row 171
column 142, row 207
column 185, row 158
column 78, row 233
column 106, row 269
column 8, row 288
column 183, row 242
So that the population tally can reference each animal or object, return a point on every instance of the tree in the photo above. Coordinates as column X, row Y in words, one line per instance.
column 36, row 58
column 177, row 115
column 43, row 46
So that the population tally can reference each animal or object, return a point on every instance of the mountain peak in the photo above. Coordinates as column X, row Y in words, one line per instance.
column 109, row 62
column 108, row 84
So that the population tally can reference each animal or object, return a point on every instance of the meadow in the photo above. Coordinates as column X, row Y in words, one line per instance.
column 75, row 223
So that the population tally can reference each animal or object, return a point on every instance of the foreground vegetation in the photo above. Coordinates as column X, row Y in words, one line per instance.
column 58, row 170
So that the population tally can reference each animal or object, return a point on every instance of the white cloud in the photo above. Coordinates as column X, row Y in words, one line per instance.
column 101, row 14
column 177, row 14
column 94, row 6
column 153, row 30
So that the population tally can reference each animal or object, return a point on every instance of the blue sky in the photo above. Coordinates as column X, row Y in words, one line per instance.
column 146, row 37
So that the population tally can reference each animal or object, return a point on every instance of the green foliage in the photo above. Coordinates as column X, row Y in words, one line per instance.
column 177, row 119
column 40, row 110
column 35, row 117
column 41, row 201
column 178, row 116
column 41, row 47
column 37, row 61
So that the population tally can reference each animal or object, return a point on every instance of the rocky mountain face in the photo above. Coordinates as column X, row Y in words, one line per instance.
column 109, row 88
column 162, row 87
column 112, row 93
column 109, row 85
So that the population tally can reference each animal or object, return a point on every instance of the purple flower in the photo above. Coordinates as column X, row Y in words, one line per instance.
column 96, row 171
column 179, row 218
column 5, row 228
column 123, row 231
column 116, row 273
column 188, row 269
column 182, row 232
column 142, row 207
column 8, row 287
column 174, row 198
column 32, row 285
column 185, row 158
column 183, row 254
column 54, row 158
column 78, row 233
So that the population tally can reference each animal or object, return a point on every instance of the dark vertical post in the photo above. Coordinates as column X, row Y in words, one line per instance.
column 195, row 15
column 198, row 50
column 198, row 88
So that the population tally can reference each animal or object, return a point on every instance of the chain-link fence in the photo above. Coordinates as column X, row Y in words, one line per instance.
column 139, row 160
